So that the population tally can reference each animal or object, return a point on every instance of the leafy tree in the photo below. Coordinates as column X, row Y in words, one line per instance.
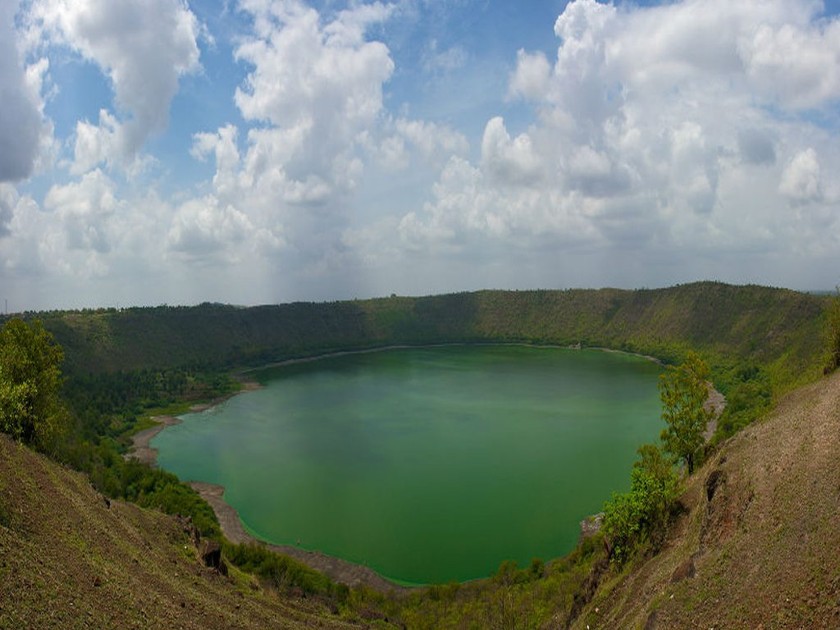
column 30, row 380
column 683, row 391
column 642, row 515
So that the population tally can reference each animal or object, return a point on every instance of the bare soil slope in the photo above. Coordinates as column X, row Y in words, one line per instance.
column 69, row 560
column 760, row 545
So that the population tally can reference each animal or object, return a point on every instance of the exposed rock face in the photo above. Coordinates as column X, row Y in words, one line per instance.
column 591, row 525
column 211, row 555
column 715, row 479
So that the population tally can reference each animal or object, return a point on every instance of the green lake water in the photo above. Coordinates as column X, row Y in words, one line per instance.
column 431, row 464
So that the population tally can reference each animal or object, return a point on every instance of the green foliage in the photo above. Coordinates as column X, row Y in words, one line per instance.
column 164, row 491
column 743, row 323
column 30, row 379
column 110, row 404
column 833, row 333
column 641, row 515
column 284, row 573
column 749, row 395
column 683, row 390
column 534, row 597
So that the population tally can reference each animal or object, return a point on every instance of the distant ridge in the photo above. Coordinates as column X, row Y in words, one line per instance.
column 730, row 322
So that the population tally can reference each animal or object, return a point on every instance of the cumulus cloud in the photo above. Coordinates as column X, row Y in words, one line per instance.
column 20, row 123
column 205, row 229
column 312, row 99
column 8, row 198
column 143, row 46
column 97, row 143
column 84, row 209
column 531, row 77
column 801, row 178
column 651, row 123
column 795, row 62
column 318, row 86
column 433, row 142
column 509, row 160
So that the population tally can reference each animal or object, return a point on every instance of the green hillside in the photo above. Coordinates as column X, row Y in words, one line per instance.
column 124, row 364
column 750, row 323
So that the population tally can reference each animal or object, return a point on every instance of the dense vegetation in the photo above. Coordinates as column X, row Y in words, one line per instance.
column 30, row 379
column 123, row 365
column 778, row 329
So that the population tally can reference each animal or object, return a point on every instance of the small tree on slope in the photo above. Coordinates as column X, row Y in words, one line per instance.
column 683, row 391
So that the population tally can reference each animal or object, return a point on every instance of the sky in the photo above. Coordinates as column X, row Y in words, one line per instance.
column 267, row 151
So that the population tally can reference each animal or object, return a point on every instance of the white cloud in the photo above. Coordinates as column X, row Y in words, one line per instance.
column 796, row 63
column 96, row 143
column 531, row 77
column 84, row 211
column 8, row 200
column 434, row 143
column 654, row 123
column 20, row 123
column 143, row 46
column 686, row 139
column 509, row 161
column 313, row 97
column 206, row 229
column 801, row 178
column 224, row 147
column 318, row 85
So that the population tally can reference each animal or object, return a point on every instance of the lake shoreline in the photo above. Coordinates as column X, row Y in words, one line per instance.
column 141, row 448
column 335, row 568
column 520, row 344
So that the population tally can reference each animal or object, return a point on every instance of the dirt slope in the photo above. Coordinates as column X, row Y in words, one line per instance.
column 760, row 546
column 68, row 560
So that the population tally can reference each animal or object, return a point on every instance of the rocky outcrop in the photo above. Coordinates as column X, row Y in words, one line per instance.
column 210, row 553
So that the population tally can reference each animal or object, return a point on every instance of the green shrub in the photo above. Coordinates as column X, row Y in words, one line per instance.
column 641, row 515
column 283, row 572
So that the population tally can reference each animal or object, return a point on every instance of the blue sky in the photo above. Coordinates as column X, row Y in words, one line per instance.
column 256, row 151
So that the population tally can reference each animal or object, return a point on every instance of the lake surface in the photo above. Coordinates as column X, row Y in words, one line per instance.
column 431, row 464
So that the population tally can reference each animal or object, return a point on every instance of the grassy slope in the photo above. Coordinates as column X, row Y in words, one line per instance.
column 763, row 550
column 67, row 560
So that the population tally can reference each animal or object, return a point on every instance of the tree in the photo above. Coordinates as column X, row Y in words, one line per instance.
column 30, row 379
column 683, row 390
column 642, row 514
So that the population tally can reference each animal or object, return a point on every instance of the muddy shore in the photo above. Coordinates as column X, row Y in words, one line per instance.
column 337, row 569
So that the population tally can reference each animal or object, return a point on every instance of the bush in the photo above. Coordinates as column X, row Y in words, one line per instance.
column 283, row 572
column 641, row 515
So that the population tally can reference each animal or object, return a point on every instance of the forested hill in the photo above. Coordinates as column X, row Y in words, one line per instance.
column 765, row 325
